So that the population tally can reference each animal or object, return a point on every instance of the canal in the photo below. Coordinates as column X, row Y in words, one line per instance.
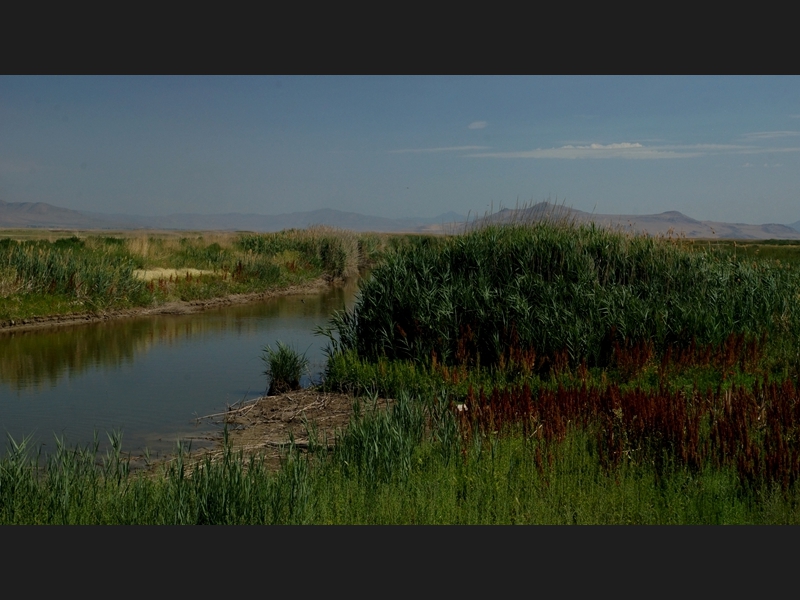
column 151, row 377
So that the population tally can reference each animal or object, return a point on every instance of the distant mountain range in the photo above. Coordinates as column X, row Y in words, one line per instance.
column 666, row 223
column 43, row 215
column 40, row 214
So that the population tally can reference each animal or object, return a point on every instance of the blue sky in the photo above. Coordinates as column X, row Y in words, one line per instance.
column 714, row 148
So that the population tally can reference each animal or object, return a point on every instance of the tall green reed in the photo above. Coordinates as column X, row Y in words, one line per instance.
column 550, row 289
column 99, row 277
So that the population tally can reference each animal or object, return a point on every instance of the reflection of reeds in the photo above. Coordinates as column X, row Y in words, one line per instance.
column 36, row 358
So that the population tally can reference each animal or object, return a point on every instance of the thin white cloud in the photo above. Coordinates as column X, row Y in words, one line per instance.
column 770, row 135
column 444, row 149
column 707, row 147
column 477, row 125
column 635, row 150
column 617, row 150
column 768, row 150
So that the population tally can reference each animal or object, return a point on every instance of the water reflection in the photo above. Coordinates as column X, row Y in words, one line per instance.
column 150, row 376
column 37, row 359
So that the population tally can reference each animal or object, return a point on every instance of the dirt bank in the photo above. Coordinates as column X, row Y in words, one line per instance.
column 171, row 308
column 264, row 426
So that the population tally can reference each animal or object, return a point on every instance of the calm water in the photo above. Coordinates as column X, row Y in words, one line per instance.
column 150, row 377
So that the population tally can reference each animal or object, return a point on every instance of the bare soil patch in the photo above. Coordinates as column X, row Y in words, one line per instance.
column 265, row 426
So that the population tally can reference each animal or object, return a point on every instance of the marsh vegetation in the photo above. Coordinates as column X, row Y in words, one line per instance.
column 92, row 273
column 541, row 373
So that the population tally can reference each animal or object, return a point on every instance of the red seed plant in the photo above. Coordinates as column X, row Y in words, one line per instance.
column 755, row 431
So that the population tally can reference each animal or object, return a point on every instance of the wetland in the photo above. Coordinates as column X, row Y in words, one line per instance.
column 526, row 373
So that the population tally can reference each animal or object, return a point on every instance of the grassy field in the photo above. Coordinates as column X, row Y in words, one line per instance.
column 786, row 252
column 542, row 374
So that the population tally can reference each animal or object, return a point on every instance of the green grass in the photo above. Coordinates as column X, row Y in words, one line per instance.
column 405, row 465
column 778, row 252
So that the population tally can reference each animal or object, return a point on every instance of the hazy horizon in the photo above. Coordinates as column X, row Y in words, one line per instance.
column 713, row 148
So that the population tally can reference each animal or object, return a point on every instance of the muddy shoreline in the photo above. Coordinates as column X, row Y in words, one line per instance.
column 171, row 308
column 265, row 427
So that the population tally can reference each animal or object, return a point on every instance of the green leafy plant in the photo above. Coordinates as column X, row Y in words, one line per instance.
column 284, row 367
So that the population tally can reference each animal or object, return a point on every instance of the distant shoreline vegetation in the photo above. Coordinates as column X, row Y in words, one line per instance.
column 92, row 273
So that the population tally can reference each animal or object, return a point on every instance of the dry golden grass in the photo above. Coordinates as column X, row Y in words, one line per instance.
column 9, row 282
column 159, row 273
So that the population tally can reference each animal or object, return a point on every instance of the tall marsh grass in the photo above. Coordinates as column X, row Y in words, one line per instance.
column 68, row 267
column 544, row 289
column 336, row 252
